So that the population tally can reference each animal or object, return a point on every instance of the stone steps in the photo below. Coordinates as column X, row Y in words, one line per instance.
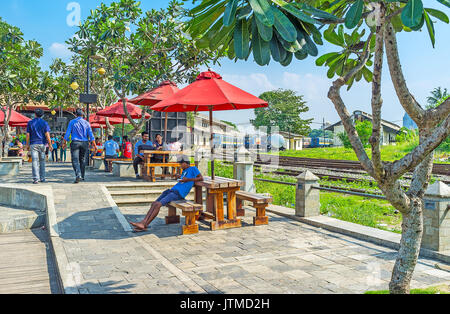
column 132, row 195
column 141, row 186
column 15, row 219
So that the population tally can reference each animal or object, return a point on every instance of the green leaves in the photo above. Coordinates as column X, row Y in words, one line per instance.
column 230, row 12
column 269, row 28
column 430, row 28
column 438, row 14
column 263, row 11
column 412, row 13
column 261, row 48
column 265, row 32
column 284, row 26
column 241, row 39
column 354, row 14
column 445, row 2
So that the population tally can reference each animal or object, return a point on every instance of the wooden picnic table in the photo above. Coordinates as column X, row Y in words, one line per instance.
column 148, row 154
column 216, row 190
column 148, row 169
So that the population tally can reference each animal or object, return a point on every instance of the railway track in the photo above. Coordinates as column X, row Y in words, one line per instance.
column 440, row 169
column 292, row 173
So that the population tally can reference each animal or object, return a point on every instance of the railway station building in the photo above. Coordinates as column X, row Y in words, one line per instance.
column 389, row 132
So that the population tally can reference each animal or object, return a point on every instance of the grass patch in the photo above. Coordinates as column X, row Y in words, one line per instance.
column 388, row 153
column 443, row 289
column 360, row 210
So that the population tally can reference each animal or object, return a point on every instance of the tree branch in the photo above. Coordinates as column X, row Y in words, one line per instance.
column 335, row 97
column 407, row 101
column 434, row 116
column 377, row 101
column 414, row 158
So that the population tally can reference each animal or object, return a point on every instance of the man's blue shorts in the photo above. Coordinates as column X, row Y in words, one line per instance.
column 169, row 196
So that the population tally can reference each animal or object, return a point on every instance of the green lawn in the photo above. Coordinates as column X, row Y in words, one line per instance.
column 364, row 211
column 388, row 153
column 443, row 289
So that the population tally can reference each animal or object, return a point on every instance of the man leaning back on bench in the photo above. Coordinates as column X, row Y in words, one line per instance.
column 179, row 192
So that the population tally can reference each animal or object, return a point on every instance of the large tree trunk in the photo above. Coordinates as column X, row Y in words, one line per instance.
column 412, row 230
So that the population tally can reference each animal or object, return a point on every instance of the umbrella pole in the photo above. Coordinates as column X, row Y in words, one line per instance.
column 123, row 127
column 213, row 176
column 165, row 128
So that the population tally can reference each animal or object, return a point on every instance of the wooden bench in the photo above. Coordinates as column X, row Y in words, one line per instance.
column 260, row 203
column 148, row 170
column 190, row 210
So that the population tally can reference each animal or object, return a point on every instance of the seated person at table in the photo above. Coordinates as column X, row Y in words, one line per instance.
column 158, row 145
column 111, row 151
column 179, row 192
column 18, row 145
column 100, row 147
column 139, row 156
column 127, row 148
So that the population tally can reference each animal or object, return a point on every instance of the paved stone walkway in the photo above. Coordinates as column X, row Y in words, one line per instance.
column 285, row 257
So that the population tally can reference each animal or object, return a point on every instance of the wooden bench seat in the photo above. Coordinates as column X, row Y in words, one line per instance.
column 190, row 210
column 260, row 203
column 148, row 170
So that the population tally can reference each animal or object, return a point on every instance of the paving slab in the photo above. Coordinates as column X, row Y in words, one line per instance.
column 96, row 253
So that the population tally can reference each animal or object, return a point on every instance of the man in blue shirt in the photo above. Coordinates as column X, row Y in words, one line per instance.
column 81, row 133
column 184, row 186
column 111, row 150
column 138, row 156
column 38, row 134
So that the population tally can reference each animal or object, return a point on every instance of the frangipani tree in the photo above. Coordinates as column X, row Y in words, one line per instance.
column 364, row 32
column 20, row 75
column 139, row 49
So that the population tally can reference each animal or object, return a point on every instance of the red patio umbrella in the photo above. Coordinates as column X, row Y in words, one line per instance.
column 117, row 111
column 99, row 120
column 165, row 90
column 16, row 119
column 210, row 93
column 154, row 96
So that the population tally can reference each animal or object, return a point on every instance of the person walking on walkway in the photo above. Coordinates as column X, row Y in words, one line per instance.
column 80, row 132
column 111, row 151
column 63, row 151
column 38, row 134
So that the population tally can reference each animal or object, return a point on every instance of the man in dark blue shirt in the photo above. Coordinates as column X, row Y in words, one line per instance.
column 38, row 134
column 80, row 132
column 182, row 189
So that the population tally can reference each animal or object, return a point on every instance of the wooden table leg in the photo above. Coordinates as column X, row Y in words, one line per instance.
column 172, row 218
column 191, row 226
column 261, row 218
column 231, row 205
column 240, row 211
column 210, row 202
column 220, row 222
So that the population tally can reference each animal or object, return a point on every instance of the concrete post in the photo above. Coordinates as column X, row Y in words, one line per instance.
column 201, row 162
column 436, row 217
column 307, row 202
column 243, row 171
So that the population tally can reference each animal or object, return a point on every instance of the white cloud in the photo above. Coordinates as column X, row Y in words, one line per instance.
column 59, row 50
column 254, row 83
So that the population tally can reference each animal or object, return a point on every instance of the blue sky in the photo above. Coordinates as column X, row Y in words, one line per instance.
column 425, row 68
